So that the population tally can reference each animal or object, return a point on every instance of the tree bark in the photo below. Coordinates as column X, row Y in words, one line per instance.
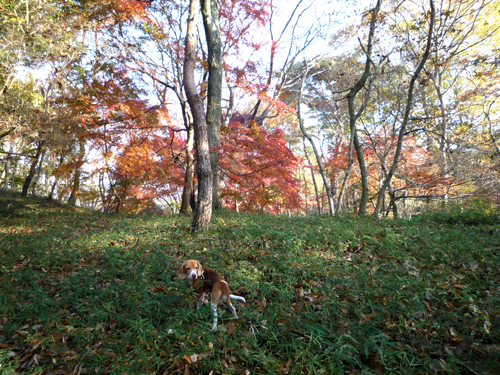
column 211, row 23
column 407, row 111
column 353, row 116
column 7, row 168
column 326, row 182
column 490, row 126
column 13, row 178
column 188, row 177
column 393, row 202
column 39, row 171
column 53, row 188
column 318, row 202
column 203, row 212
column 347, row 174
column 32, row 171
column 76, row 178
column 305, row 190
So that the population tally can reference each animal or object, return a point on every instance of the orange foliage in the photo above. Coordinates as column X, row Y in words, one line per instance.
column 417, row 173
column 145, row 170
column 133, row 148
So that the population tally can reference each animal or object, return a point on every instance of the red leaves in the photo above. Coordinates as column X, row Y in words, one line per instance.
column 145, row 169
column 258, row 170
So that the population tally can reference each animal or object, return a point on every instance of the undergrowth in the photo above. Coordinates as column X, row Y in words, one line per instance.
column 84, row 292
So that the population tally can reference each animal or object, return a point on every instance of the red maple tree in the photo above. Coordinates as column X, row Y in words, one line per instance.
column 258, row 169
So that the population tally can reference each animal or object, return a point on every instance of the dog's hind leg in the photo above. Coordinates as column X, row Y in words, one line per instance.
column 214, row 312
column 233, row 310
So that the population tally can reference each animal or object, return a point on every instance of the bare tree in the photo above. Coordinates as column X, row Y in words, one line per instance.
column 326, row 182
column 408, row 108
column 353, row 115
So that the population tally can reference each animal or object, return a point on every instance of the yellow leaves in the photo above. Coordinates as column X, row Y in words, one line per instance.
column 16, row 20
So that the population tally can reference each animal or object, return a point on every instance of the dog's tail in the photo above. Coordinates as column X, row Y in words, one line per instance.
column 232, row 296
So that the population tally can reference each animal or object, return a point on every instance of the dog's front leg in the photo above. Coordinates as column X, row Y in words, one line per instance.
column 214, row 312
column 200, row 301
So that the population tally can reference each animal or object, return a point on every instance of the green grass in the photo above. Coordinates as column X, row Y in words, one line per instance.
column 84, row 292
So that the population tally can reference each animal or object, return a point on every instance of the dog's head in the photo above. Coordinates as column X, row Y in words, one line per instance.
column 190, row 269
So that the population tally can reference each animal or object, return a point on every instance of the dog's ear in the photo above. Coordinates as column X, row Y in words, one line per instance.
column 180, row 273
column 199, row 271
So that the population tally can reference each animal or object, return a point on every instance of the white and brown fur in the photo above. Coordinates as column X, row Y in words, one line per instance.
column 212, row 282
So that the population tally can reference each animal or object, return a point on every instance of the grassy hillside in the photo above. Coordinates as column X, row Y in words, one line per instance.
column 85, row 292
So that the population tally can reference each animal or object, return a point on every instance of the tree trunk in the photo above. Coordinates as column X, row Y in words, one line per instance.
column 203, row 212
column 305, row 190
column 7, row 168
column 407, row 111
column 364, row 175
column 33, row 190
column 14, row 170
column 52, row 189
column 437, row 80
column 32, row 171
column 78, row 171
column 188, row 177
column 392, row 193
column 326, row 182
column 318, row 202
column 393, row 202
column 3, row 172
column 353, row 116
column 51, row 194
column 447, row 162
column 211, row 23
column 383, row 204
column 102, row 191
column 347, row 173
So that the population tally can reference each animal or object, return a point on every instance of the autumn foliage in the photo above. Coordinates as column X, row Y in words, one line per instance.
column 417, row 174
column 107, row 121
column 258, row 169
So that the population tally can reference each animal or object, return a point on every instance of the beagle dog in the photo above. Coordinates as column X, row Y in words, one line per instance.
column 212, row 282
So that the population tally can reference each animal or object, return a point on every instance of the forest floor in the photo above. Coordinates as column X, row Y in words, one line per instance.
column 84, row 292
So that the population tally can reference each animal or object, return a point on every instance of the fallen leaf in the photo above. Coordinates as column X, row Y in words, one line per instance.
column 465, row 344
column 286, row 370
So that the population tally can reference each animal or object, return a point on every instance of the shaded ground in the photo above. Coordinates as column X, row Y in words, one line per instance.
column 86, row 292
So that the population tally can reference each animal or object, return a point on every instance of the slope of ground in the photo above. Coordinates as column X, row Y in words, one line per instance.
column 84, row 292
